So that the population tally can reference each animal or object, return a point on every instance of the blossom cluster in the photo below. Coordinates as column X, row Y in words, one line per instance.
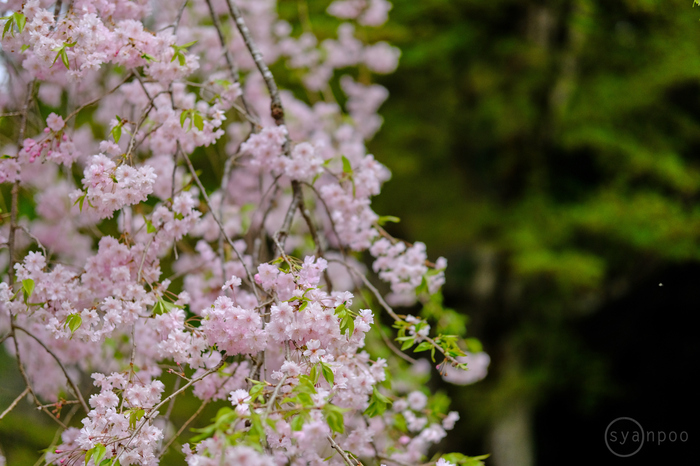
column 218, row 234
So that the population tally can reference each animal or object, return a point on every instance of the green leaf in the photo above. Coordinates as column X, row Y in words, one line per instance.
column 88, row 455
column 335, row 420
column 135, row 415
column 23, row 48
column 297, row 423
column 74, row 321
column 407, row 343
column 377, row 403
column 388, row 218
column 149, row 226
column 425, row 346
column 347, row 167
column 100, row 452
column 183, row 117
column 328, row 373
column 28, row 288
column 380, row 396
column 347, row 324
column 20, row 20
column 256, row 391
column 117, row 133
column 8, row 26
column 158, row 308
column 464, row 460
column 314, row 374
column 64, row 58
column 163, row 307
column 198, row 121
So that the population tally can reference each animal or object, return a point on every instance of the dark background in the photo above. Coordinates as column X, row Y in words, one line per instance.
column 549, row 149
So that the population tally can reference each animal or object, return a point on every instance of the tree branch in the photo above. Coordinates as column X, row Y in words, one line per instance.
column 14, row 403
column 65, row 373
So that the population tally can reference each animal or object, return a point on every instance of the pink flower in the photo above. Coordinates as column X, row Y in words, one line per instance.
column 55, row 123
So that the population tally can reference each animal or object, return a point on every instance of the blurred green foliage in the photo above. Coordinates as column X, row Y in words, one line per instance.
column 549, row 149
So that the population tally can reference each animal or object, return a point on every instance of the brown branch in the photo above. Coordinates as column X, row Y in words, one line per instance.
column 15, row 187
column 65, row 373
column 14, row 403
column 251, row 280
column 231, row 65
column 26, row 378
column 154, row 411
column 97, row 99
column 342, row 453
column 184, row 426
column 276, row 109
column 317, row 241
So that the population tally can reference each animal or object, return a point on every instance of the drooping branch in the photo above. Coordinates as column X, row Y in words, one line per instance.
column 65, row 372
column 276, row 109
column 15, row 187
column 249, row 275
column 154, row 411
column 14, row 403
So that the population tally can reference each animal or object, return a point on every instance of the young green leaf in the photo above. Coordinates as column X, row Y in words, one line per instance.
column 149, row 226
column 28, row 288
column 20, row 21
column 425, row 346
column 387, row 218
column 198, row 121
column 347, row 167
column 74, row 321
column 99, row 453
column 328, row 373
column 335, row 420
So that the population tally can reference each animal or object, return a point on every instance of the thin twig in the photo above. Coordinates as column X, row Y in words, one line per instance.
column 15, row 187
column 232, row 67
column 221, row 227
column 2, row 340
column 276, row 109
column 154, row 411
column 391, row 312
column 97, row 99
column 341, row 452
column 14, row 403
column 65, row 373
column 184, row 426
column 26, row 378
column 179, row 17
column 57, row 9
column 26, row 230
